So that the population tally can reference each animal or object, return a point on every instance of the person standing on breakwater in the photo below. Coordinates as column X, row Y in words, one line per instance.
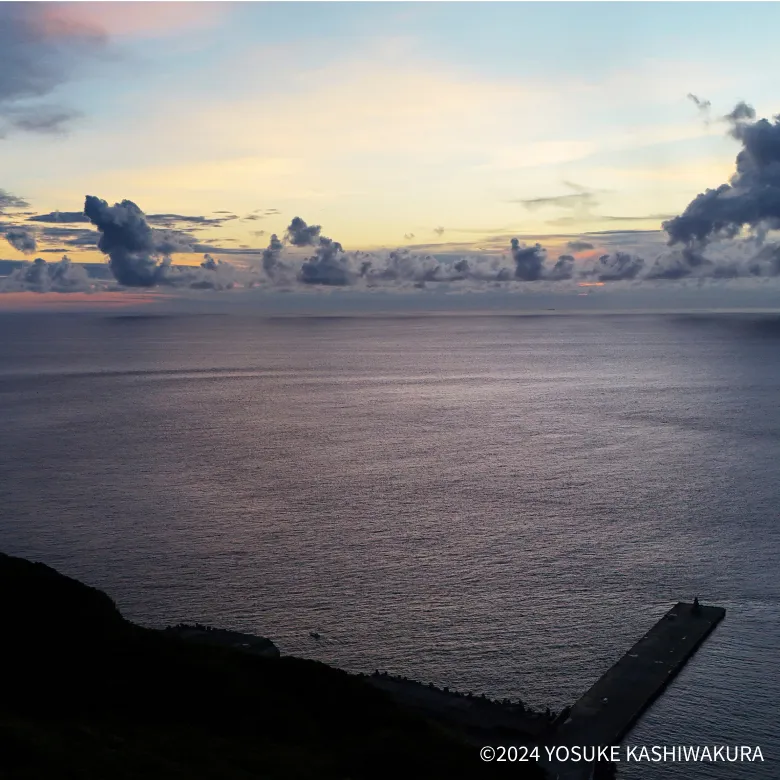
column 695, row 609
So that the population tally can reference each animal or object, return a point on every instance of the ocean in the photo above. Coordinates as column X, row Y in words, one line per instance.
column 498, row 504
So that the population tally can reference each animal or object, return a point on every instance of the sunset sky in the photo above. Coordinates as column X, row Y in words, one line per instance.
column 444, row 126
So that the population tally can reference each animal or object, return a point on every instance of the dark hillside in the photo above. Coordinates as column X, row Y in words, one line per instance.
column 87, row 694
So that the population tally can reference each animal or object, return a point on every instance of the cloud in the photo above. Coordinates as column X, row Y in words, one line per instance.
column 140, row 256
column 408, row 236
column 529, row 261
column 563, row 269
column 42, row 277
column 704, row 106
column 582, row 199
column 615, row 267
column 300, row 234
column 83, row 237
column 41, row 119
column 643, row 218
column 439, row 231
column 21, row 239
column 579, row 246
column 8, row 201
column 329, row 265
column 272, row 265
column 41, row 49
column 179, row 220
column 750, row 199
column 60, row 216
column 576, row 200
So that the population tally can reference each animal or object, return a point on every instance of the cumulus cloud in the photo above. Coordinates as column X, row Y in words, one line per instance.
column 752, row 196
column 329, row 265
column 750, row 199
column 529, row 261
column 300, row 234
column 272, row 264
column 40, row 276
column 140, row 256
column 614, row 267
column 563, row 269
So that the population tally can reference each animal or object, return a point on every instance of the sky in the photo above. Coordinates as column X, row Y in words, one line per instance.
column 442, row 129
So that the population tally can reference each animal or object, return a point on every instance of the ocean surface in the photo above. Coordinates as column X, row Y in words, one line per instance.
column 498, row 504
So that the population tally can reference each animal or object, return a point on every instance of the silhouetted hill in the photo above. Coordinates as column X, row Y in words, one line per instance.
column 87, row 694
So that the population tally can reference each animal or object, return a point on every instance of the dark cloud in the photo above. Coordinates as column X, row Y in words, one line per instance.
column 220, row 275
column 579, row 246
column 173, row 221
column 21, row 239
column 71, row 236
column 40, row 49
column 139, row 256
column 615, row 267
column 575, row 200
column 740, row 114
column 627, row 232
column 8, row 201
column 750, row 199
column 40, row 276
column 60, row 216
column 704, row 106
column 581, row 199
column 529, row 261
column 439, row 230
column 329, row 265
column 641, row 218
column 562, row 270
column 41, row 119
column 402, row 266
column 261, row 214
column 300, row 234
column 408, row 236
column 272, row 264
column 670, row 269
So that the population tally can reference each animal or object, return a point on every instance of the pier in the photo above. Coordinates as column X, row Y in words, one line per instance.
column 605, row 713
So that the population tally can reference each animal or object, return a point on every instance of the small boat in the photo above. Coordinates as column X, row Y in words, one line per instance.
column 314, row 635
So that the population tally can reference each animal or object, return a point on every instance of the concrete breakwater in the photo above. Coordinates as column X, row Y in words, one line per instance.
column 606, row 712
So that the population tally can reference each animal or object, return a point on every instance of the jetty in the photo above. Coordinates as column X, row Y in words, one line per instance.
column 605, row 714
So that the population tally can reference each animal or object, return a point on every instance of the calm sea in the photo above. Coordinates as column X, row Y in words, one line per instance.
column 497, row 504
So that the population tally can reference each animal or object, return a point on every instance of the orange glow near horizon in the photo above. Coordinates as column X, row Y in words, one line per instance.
column 591, row 284
column 33, row 300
